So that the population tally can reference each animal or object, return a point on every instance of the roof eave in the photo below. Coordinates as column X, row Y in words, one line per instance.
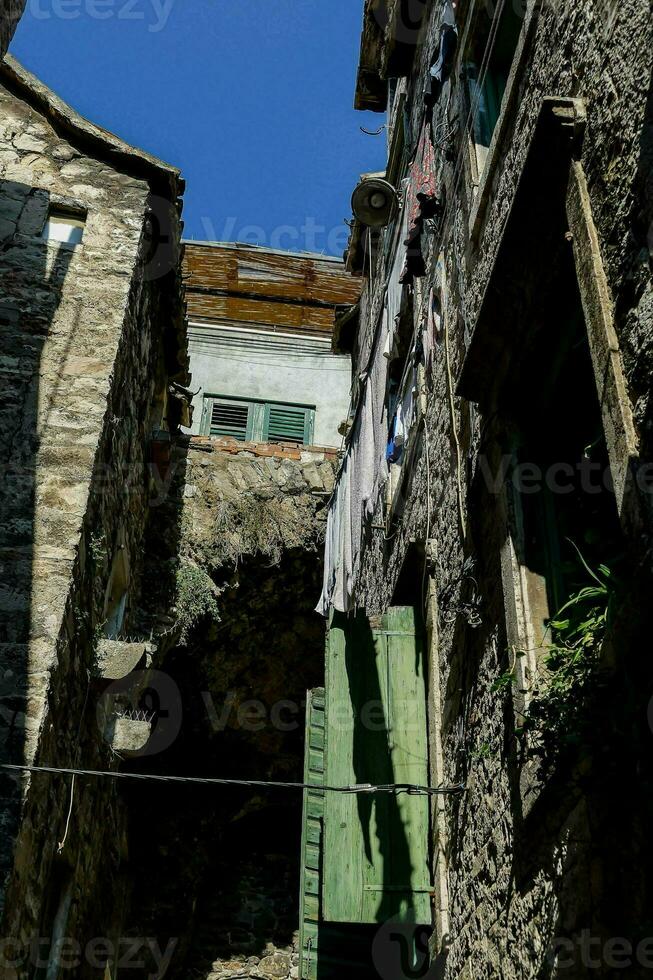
column 371, row 88
column 390, row 37
column 161, row 176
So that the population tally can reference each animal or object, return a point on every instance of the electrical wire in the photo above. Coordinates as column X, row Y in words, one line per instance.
column 410, row 788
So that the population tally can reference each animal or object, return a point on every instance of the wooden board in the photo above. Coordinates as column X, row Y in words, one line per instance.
column 292, row 293
column 311, row 846
column 376, row 847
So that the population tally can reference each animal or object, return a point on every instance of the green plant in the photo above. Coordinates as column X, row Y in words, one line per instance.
column 557, row 716
column 482, row 751
column 97, row 548
column 197, row 597
column 503, row 681
column 509, row 677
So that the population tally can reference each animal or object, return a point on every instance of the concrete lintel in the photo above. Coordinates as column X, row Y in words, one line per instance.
column 598, row 307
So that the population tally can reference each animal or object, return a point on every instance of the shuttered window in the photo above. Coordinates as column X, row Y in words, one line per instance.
column 230, row 419
column 286, row 423
column 376, row 848
column 256, row 421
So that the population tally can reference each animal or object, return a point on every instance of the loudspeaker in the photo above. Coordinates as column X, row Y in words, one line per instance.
column 374, row 202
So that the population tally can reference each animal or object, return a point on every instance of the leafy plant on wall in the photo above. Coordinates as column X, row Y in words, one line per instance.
column 558, row 718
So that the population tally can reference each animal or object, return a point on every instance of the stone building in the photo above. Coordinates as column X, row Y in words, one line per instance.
column 93, row 368
column 492, row 511
column 157, row 589
column 260, row 328
column 487, row 568
column 10, row 13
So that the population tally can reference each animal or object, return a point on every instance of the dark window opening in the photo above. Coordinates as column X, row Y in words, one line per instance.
column 562, row 484
column 486, row 85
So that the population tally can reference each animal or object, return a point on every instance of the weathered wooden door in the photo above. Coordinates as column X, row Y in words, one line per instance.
column 376, row 846
column 311, row 853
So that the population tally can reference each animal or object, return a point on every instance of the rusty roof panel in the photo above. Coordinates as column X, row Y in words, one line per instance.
column 282, row 291
column 262, row 313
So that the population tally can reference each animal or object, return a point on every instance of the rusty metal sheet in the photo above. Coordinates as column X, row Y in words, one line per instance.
column 262, row 312
column 255, row 286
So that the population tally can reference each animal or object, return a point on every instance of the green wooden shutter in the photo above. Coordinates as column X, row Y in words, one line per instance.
column 329, row 951
column 230, row 418
column 288, row 423
column 376, row 847
column 311, row 853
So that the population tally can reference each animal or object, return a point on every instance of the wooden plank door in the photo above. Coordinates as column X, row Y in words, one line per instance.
column 311, row 846
column 376, row 846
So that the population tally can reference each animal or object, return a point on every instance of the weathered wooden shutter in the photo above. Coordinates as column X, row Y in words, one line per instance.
column 327, row 951
column 376, row 847
column 288, row 423
column 311, row 853
column 230, row 418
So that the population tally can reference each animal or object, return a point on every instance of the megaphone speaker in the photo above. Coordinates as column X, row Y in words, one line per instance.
column 374, row 202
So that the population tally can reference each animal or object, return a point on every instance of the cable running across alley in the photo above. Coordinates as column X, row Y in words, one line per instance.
column 410, row 788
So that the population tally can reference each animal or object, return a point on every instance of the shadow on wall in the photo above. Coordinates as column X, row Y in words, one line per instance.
column 637, row 284
column 372, row 762
column 32, row 273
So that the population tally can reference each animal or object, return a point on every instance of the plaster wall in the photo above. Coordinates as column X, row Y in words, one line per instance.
column 270, row 367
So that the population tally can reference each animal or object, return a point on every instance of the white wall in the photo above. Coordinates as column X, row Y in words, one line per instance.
column 246, row 363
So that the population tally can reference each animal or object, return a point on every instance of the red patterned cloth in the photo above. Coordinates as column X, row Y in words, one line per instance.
column 421, row 201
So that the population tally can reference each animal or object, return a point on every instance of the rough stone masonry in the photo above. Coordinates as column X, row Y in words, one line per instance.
column 10, row 13
column 93, row 355
column 524, row 866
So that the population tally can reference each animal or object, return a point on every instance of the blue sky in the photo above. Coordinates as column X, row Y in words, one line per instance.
column 252, row 99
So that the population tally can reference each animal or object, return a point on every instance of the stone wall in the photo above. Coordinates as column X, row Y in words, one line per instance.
column 10, row 14
column 523, row 872
column 216, row 868
column 91, row 336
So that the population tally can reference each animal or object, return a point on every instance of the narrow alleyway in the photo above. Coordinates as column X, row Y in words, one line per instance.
column 216, row 869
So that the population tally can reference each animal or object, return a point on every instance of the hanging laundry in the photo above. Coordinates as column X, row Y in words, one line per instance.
column 393, row 451
column 422, row 203
column 441, row 67
column 395, row 295
column 362, row 475
column 432, row 327
column 404, row 415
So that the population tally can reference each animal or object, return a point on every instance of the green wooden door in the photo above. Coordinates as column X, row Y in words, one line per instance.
column 376, row 846
column 311, row 853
